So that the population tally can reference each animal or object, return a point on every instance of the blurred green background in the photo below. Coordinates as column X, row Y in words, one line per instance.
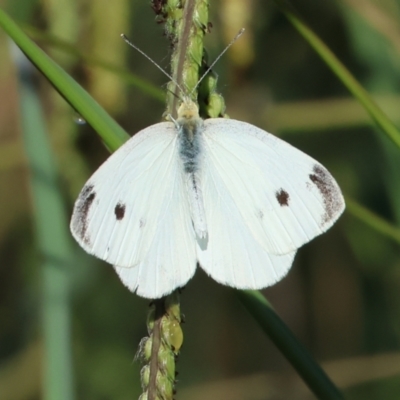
column 342, row 296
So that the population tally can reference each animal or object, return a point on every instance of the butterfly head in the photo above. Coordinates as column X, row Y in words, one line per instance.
column 188, row 109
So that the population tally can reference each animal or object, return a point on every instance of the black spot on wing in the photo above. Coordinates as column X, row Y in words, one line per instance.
column 330, row 193
column 283, row 197
column 142, row 223
column 119, row 211
column 87, row 197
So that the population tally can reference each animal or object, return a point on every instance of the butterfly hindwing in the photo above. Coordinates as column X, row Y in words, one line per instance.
column 171, row 258
column 231, row 255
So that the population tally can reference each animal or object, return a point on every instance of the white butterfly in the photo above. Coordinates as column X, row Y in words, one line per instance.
column 223, row 193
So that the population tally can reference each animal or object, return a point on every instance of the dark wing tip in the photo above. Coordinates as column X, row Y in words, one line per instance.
column 79, row 222
column 330, row 192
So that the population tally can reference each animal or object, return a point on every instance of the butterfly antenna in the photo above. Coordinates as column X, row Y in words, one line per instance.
column 240, row 33
column 173, row 94
column 152, row 61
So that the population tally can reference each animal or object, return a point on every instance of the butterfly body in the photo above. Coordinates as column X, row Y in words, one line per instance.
column 220, row 192
column 190, row 141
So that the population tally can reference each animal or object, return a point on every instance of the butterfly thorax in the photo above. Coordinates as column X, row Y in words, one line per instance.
column 189, row 126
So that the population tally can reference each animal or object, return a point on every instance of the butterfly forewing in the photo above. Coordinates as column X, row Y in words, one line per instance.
column 284, row 197
column 117, row 213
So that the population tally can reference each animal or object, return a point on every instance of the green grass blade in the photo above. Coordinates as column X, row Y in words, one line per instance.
column 343, row 74
column 112, row 134
column 284, row 340
column 372, row 220
column 129, row 78
column 53, row 241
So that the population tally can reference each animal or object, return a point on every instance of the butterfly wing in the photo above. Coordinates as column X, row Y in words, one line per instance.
column 283, row 197
column 171, row 259
column 230, row 254
column 133, row 213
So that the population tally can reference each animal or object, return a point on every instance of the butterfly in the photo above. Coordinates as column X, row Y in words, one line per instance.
column 220, row 193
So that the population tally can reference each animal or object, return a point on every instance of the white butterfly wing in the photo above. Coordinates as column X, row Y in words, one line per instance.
column 231, row 255
column 133, row 213
column 171, row 259
column 284, row 197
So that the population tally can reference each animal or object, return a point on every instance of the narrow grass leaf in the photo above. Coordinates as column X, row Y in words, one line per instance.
column 112, row 134
column 53, row 240
column 342, row 73
column 312, row 374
